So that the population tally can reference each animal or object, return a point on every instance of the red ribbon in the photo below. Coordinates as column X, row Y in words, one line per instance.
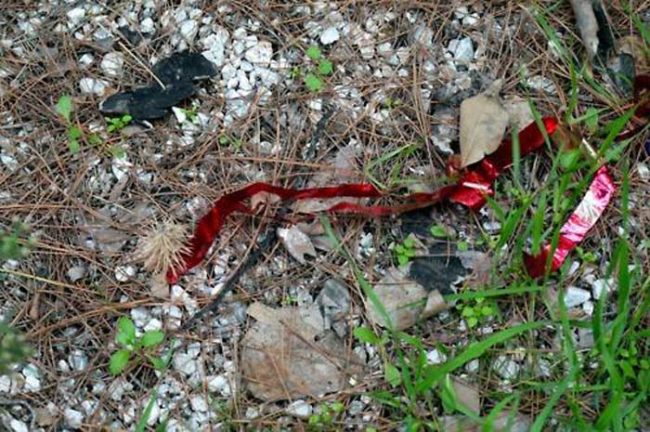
column 470, row 190
column 575, row 229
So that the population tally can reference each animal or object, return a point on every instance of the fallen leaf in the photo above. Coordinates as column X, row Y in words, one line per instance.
column 466, row 394
column 297, row 243
column 587, row 25
column 519, row 112
column 403, row 300
column 281, row 358
column 342, row 168
column 483, row 121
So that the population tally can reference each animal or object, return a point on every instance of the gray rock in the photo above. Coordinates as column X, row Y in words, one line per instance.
column 184, row 364
column 189, row 30
column 436, row 357
column 118, row 387
column 462, row 49
column 422, row 35
column 147, row 26
column 32, row 378
column 76, row 15
column 198, row 403
column 540, row 83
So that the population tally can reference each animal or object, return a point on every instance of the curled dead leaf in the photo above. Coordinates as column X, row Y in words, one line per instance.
column 483, row 121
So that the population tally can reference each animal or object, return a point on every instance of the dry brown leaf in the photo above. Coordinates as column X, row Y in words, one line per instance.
column 342, row 168
column 402, row 298
column 483, row 121
column 587, row 24
column 297, row 243
column 282, row 359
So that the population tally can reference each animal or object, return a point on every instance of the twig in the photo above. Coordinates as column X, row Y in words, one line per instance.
column 251, row 259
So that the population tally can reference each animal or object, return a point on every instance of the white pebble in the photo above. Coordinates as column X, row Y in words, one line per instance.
column 112, row 64
column 436, row 357
column 198, row 403
column 189, row 29
column 506, row 367
column 76, row 15
column 93, row 86
column 299, row 408
column 73, row 418
column 18, row 426
column 329, row 36
column 124, row 273
column 75, row 273
column 260, row 54
column 575, row 296
column 600, row 286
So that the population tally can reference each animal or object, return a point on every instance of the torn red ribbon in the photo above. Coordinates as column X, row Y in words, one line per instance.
column 470, row 191
column 575, row 229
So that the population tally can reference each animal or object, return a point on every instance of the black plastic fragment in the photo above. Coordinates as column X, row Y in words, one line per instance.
column 183, row 67
column 438, row 271
column 178, row 74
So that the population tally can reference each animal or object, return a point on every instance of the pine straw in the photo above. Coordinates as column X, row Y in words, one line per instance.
column 50, row 190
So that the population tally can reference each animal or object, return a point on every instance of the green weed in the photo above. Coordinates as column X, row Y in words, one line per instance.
column 141, row 348
column 65, row 108
column 116, row 124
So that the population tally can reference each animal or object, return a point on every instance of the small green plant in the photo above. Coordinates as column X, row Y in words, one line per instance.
column 142, row 347
column 314, row 78
column 192, row 114
column 13, row 348
column 439, row 231
column 65, row 108
column 405, row 251
column 391, row 103
column 116, row 124
column 14, row 244
column 475, row 312
column 227, row 140
column 325, row 416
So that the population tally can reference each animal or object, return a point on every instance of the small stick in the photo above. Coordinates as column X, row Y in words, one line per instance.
column 249, row 262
